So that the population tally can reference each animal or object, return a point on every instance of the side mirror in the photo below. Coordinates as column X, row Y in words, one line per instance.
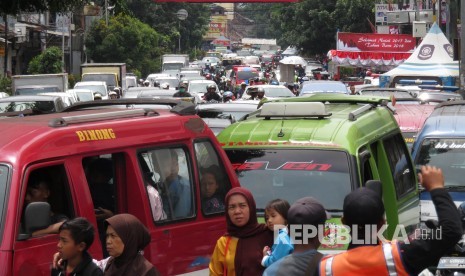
column 36, row 217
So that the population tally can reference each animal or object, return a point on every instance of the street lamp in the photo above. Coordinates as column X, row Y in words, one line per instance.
column 181, row 15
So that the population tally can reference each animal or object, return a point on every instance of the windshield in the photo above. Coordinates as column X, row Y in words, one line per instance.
column 447, row 154
column 131, row 82
column 267, row 58
column 199, row 87
column 245, row 75
column 173, row 82
column 293, row 173
column 84, row 96
column 95, row 88
column 110, row 79
column 36, row 106
column 36, row 90
column 172, row 66
column 278, row 92
column 4, row 175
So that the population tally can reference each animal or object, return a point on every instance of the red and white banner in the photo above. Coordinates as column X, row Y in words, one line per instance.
column 357, row 42
column 367, row 59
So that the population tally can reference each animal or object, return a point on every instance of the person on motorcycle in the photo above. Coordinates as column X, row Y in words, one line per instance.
column 211, row 94
column 364, row 208
column 241, row 91
column 182, row 92
column 228, row 97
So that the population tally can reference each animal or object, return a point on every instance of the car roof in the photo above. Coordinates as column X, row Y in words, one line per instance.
column 41, row 132
column 411, row 117
column 90, row 83
column 339, row 130
column 39, row 98
column 446, row 119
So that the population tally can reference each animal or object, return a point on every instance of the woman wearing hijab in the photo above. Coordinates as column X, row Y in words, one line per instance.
column 126, row 237
column 240, row 250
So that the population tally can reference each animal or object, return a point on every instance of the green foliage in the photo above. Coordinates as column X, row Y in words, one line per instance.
column 162, row 18
column 72, row 79
column 5, row 85
column 128, row 40
column 48, row 62
column 15, row 6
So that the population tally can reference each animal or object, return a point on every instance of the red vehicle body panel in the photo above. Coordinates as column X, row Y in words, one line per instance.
column 25, row 143
column 410, row 118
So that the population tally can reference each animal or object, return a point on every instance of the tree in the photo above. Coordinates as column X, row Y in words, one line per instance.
column 48, row 62
column 16, row 6
column 162, row 18
column 351, row 15
column 307, row 25
column 128, row 40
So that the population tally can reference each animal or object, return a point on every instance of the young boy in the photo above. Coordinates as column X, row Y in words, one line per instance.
column 76, row 236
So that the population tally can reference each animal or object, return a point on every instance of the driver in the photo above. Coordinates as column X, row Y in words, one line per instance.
column 211, row 94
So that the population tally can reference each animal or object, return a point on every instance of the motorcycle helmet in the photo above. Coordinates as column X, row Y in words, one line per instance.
column 228, row 95
column 211, row 86
column 208, row 76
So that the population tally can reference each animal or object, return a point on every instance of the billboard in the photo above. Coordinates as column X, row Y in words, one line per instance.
column 218, row 27
column 227, row 1
column 357, row 42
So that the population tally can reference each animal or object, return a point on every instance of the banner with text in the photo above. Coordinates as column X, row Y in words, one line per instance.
column 357, row 42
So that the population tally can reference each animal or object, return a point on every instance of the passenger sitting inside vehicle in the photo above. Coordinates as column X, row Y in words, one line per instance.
column 177, row 200
column 212, row 200
column 38, row 190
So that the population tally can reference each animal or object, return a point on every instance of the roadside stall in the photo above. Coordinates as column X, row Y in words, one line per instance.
column 371, row 50
column 432, row 61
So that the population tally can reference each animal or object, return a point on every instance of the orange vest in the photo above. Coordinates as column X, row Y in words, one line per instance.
column 383, row 259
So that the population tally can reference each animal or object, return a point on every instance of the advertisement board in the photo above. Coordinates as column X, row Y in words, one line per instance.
column 218, row 26
column 358, row 42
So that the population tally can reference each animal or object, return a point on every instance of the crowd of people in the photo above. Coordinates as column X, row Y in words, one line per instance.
column 280, row 246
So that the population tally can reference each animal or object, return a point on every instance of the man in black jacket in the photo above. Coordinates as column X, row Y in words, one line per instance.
column 364, row 207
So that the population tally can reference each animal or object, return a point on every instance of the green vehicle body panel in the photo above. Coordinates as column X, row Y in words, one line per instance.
column 335, row 132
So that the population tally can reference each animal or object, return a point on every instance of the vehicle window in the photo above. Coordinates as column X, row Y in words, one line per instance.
column 291, row 174
column 324, row 87
column 245, row 75
column 214, row 182
column 401, row 167
column 447, row 154
column 36, row 90
column 36, row 106
column 49, row 184
column 96, row 88
column 167, row 174
column 278, row 92
column 110, row 79
column 4, row 176
column 100, row 172
column 366, row 167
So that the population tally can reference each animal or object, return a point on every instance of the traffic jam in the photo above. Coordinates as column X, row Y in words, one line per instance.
column 249, row 157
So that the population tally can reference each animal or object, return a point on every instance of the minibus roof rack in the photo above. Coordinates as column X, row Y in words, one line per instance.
column 293, row 109
column 67, row 120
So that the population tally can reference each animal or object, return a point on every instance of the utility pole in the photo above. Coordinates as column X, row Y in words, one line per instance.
column 5, row 18
column 462, row 47
column 106, row 12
